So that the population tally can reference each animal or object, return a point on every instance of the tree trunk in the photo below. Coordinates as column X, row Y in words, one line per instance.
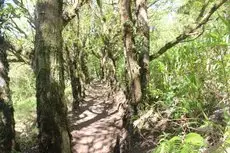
column 84, row 79
column 75, row 81
column 130, row 56
column 132, row 69
column 84, row 68
column 102, row 63
column 51, row 109
column 7, row 133
column 110, row 62
column 143, row 35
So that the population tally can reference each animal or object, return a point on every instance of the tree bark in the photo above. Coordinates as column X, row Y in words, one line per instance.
column 102, row 63
column 51, row 109
column 74, row 79
column 130, row 56
column 7, row 133
column 83, row 64
column 143, row 36
column 84, row 79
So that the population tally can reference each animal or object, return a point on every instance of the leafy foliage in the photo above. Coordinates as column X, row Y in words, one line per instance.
column 192, row 142
column 22, row 86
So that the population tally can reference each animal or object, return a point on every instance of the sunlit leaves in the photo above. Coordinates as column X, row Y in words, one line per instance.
column 194, row 139
column 191, row 143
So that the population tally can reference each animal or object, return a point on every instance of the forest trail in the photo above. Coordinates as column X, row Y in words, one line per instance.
column 97, row 126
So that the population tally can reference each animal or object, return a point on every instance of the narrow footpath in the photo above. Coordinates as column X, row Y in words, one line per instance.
column 98, row 125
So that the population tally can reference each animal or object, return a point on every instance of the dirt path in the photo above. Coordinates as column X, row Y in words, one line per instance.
column 98, row 124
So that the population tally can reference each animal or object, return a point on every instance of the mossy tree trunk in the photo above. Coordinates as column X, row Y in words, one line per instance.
column 7, row 133
column 51, row 109
column 83, row 63
column 84, row 77
column 132, row 67
column 110, row 61
column 74, row 79
column 143, row 42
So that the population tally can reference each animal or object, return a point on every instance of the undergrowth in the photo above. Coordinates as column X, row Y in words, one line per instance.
column 22, row 85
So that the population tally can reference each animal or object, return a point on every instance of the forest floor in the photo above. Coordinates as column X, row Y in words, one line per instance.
column 98, row 124
column 96, row 127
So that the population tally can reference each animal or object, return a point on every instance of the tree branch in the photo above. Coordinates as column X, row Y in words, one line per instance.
column 71, row 13
column 200, row 34
column 153, row 3
column 18, row 28
column 206, row 3
column 16, row 53
column 188, row 32
column 15, row 60
column 28, row 16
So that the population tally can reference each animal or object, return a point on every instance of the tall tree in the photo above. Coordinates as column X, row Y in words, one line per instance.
column 143, row 42
column 51, row 108
column 7, row 133
column 132, row 66
column 74, row 79
column 137, row 52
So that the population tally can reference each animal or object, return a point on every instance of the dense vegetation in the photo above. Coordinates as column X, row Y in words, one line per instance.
column 170, row 57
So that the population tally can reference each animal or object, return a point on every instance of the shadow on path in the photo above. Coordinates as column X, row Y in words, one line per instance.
column 98, row 123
